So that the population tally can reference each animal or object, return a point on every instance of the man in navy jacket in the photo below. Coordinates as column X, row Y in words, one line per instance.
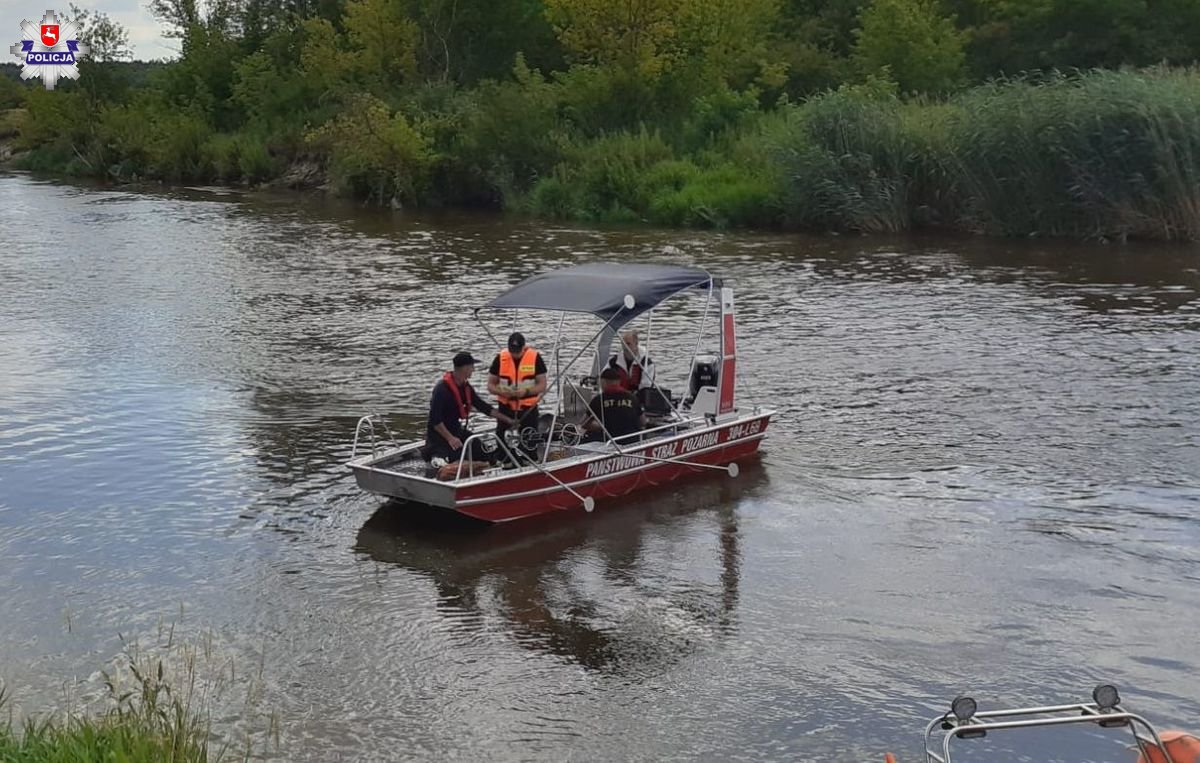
column 449, row 408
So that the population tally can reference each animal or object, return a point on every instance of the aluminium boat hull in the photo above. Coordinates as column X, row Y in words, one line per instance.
column 505, row 495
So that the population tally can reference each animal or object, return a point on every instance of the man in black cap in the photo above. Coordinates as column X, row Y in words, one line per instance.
column 615, row 411
column 449, row 407
column 518, row 380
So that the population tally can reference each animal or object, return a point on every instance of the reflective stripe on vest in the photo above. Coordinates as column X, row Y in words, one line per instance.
column 511, row 374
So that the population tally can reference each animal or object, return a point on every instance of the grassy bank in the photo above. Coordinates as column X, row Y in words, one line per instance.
column 137, row 734
column 1097, row 155
column 154, row 706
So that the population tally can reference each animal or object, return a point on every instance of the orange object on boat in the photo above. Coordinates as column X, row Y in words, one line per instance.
column 1181, row 746
column 469, row 469
column 889, row 758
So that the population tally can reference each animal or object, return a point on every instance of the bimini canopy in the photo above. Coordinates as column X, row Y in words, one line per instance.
column 600, row 289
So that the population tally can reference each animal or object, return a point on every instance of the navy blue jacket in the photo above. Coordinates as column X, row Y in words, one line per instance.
column 443, row 409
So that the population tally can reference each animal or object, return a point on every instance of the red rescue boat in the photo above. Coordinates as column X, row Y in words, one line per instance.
column 548, row 467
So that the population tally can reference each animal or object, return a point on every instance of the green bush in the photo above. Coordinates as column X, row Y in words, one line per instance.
column 255, row 160
column 12, row 93
column 633, row 177
column 53, row 120
column 226, row 158
column 601, row 100
column 244, row 157
column 374, row 154
column 10, row 123
column 180, row 149
column 124, row 140
column 911, row 40
column 511, row 136
column 716, row 114
column 718, row 197
column 606, row 174
column 556, row 198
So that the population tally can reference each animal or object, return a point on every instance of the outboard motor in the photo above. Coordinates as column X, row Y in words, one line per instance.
column 704, row 374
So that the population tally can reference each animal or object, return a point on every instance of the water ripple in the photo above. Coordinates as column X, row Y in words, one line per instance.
column 984, row 475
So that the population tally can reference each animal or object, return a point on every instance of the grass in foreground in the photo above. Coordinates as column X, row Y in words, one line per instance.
column 151, row 725
column 155, row 710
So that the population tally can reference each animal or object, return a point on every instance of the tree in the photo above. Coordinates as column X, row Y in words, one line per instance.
column 637, row 58
column 637, row 36
column 324, row 61
column 108, row 43
column 384, row 39
column 815, row 39
column 921, row 48
column 182, row 16
column 465, row 41
column 1011, row 36
column 12, row 94
column 727, row 38
column 106, row 39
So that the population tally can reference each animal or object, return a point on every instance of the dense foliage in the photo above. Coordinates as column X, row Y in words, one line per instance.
column 1003, row 116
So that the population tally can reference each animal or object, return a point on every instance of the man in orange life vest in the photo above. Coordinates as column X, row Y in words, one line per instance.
column 449, row 407
column 518, row 379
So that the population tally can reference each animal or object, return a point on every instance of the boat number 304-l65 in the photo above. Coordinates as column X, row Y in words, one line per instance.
column 745, row 430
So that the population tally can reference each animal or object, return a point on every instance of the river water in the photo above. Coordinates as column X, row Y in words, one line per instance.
column 984, row 476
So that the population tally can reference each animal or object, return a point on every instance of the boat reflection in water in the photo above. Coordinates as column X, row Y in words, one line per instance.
column 628, row 589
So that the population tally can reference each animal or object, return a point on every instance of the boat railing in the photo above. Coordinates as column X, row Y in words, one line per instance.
column 485, row 438
column 964, row 722
column 479, row 437
column 369, row 421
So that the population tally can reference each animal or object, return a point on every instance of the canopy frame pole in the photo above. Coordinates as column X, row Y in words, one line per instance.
column 486, row 330
column 649, row 325
column 562, row 317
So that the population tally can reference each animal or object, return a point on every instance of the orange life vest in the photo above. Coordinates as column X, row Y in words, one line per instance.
column 464, row 406
column 510, row 373
column 630, row 379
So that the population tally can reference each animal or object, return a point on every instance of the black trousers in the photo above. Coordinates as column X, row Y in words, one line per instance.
column 436, row 447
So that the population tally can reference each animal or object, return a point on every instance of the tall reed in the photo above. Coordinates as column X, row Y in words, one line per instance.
column 846, row 163
column 1096, row 155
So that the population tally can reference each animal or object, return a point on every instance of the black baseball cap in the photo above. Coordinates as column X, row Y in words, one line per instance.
column 516, row 340
column 610, row 373
column 464, row 359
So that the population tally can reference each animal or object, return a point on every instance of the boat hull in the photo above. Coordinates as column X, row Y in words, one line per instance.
column 601, row 476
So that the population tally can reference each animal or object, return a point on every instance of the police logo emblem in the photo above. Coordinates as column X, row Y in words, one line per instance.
column 49, row 51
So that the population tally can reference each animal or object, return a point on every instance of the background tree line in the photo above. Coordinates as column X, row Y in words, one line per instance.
column 1009, row 116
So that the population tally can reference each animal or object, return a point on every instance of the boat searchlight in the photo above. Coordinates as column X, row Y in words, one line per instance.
column 1106, row 697
column 963, row 708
